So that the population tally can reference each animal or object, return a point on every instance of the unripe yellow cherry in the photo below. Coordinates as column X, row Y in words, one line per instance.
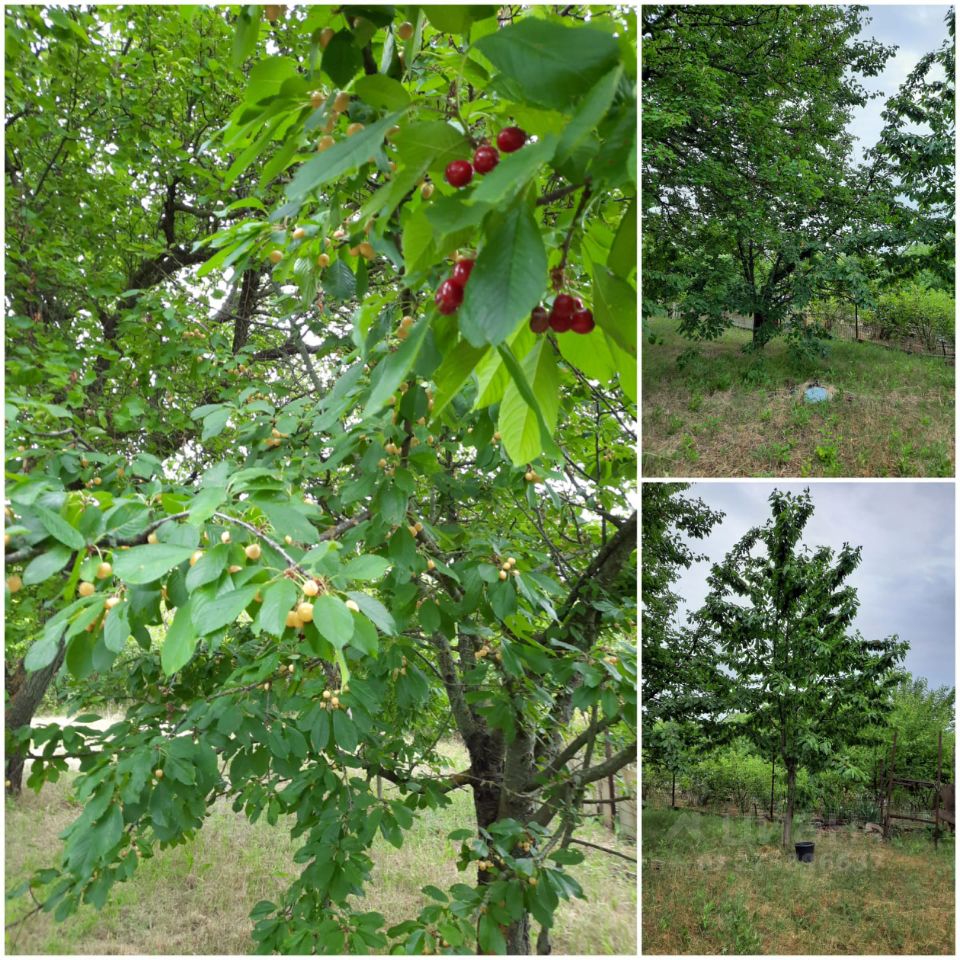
column 112, row 602
column 299, row 233
column 225, row 536
column 305, row 612
column 366, row 250
column 325, row 143
column 503, row 574
column 152, row 538
column 86, row 589
column 104, row 571
column 158, row 773
column 326, row 35
column 323, row 261
column 426, row 191
column 14, row 583
column 342, row 102
column 405, row 30
column 234, row 568
column 354, row 128
column 266, row 686
column 352, row 605
column 431, row 565
column 327, row 694
column 252, row 551
column 334, row 702
column 293, row 620
column 197, row 554
column 316, row 99
column 276, row 256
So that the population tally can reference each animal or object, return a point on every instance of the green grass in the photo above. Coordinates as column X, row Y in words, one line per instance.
column 716, row 885
column 196, row 898
column 723, row 412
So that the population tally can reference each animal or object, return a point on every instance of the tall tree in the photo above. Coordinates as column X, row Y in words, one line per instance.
column 748, row 185
column 678, row 667
column 781, row 617
column 917, row 151
column 310, row 516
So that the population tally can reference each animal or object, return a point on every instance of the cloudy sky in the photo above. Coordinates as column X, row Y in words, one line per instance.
column 915, row 31
column 905, row 580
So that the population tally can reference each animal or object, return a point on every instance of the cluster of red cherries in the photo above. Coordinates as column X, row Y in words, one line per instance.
column 460, row 172
column 449, row 294
column 567, row 313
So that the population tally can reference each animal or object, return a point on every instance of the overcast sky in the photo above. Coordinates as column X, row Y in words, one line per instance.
column 905, row 580
column 915, row 31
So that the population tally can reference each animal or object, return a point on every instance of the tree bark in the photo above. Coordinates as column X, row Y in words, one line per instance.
column 788, row 815
column 24, row 693
column 761, row 331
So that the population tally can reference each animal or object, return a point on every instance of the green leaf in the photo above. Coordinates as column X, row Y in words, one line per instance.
column 521, row 425
column 148, row 563
column 339, row 282
column 435, row 893
column 456, row 18
column 116, row 628
column 180, row 641
column 214, row 423
column 365, row 637
column 47, row 564
column 278, row 601
column 375, row 611
column 341, row 158
column 396, row 366
column 453, row 372
column 567, row 857
column 210, row 613
column 42, row 653
column 333, row 620
column 551, row 65
column 615, row 308
column 205, row 504
column 245, row 39
column 58, row 528
column 489, row 936
column 344, row 731
column 368, row 567
column 591, row 112
column 507, row 280
column 513, row 172
column 622, row 258
column 342, row 60
column 382, row 91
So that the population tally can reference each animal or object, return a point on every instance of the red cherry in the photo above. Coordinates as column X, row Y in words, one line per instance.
column 459, row 173
column 539, row 320
column 510, row 139
column 582, row 321
column 449, row 296
column 485, row 159
column 461, row 271
column 564, row 306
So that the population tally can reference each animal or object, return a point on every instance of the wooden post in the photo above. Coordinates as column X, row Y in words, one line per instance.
column 890, row 769
column 936, row 809
column 856, row 319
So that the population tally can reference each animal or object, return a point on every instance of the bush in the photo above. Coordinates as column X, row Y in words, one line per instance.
column 914, row 311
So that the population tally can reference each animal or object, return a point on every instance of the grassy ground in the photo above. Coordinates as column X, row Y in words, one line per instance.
column 196, row 898
column 715, row 885
column 725, row 413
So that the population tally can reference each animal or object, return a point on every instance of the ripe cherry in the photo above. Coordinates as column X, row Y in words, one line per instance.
column 449, row 296
column 539, row 320
column 582, row 321
column 510, row 139
column 459, row 173
column 461, row 271
column 485, row 159
column 564, row 307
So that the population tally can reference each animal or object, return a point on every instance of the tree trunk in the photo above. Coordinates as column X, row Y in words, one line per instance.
column 673, row 792
column 24, row 693
column 788, row 815
column 761, row 329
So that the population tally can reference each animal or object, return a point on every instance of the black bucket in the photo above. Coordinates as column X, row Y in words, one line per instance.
column 804, row 851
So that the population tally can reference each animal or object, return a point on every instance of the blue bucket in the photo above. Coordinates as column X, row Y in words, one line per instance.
column 815, row 395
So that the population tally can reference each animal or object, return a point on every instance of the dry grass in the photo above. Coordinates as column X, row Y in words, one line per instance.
column 714, row 885
column 196, row 898
column 726, row 413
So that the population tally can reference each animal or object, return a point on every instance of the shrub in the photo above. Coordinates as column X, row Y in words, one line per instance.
column 914, row 311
